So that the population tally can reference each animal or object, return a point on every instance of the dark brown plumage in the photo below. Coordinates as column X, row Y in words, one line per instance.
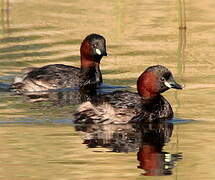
column 123, row 106
column 56, row 76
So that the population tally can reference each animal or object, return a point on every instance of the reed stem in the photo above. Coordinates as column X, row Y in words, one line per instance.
column 181, row 14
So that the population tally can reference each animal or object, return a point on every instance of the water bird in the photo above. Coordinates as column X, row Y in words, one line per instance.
column 56, row 76
column 121, row 107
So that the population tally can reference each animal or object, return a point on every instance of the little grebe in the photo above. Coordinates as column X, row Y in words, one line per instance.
column 56, row 76
column 123, row 106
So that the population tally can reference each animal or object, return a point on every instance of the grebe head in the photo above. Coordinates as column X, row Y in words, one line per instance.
column 93, row 48
column 155, row 80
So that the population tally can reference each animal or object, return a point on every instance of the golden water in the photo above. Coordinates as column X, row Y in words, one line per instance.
column 37, row 139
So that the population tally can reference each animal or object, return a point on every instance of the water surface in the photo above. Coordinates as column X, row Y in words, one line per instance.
column 38, row 139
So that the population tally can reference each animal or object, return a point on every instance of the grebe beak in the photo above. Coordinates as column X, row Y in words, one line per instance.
column 172, row 84
column 105, row 54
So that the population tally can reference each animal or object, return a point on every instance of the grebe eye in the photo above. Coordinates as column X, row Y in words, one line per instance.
column 95, row 45
column 162, row 79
